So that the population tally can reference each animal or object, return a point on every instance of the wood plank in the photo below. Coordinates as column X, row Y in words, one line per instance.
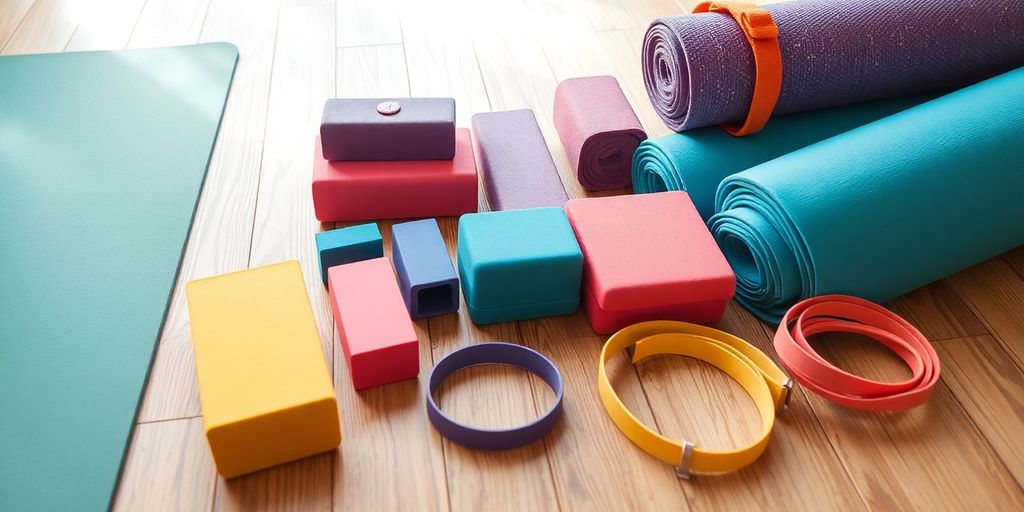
column 1015, row 259
column 390, row 458
column 938, row 312
column 46, row 28
column 304, row 484
column 991, row 388
column 441, row 60
column 362, row 23
column 372, row 72
column 918, row 459
column 164, row 23
column 222, row 229
column 995, row 293
column 168, row 468
column 11, row 16
column 302, row 78
column 105, row 25
column 719, row 414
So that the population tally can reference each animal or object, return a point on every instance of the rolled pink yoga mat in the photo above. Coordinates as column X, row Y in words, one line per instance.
column 598, row 129
column 699, row 68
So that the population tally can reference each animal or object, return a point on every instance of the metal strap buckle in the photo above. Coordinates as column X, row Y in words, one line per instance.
column 788, row 386
column 683, row 469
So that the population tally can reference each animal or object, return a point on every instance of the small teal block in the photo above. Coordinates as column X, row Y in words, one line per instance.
column 519, row 264
column 348, row 245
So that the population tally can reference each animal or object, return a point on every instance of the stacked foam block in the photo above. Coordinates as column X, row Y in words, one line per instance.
column 390, row 159
column 381, row 159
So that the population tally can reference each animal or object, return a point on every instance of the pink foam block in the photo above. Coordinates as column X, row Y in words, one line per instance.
column 376, row 333
column 598, row 129
column 364, row 190
column 648, row 257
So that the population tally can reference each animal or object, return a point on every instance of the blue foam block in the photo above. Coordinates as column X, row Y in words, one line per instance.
column 425, row 272
column 519, row 264
column 348, row 245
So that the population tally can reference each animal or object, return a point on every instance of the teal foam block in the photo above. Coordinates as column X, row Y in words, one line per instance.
column 882, row 209
column 696, row 161
column 519, row 264
column 102, row 158
column 348, row 245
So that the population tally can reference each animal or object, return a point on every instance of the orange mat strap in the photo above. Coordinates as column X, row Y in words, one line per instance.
column 763, row 35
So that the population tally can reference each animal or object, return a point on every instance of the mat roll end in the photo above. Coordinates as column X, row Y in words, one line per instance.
column 599, row 130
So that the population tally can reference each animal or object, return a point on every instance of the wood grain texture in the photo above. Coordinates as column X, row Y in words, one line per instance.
column 168, row 468
column 962, row 450
column 46, row 27
column 11, row 16
column 222, row 228
column 918, row 459
column 938, row 312
column 995, row 293
column 984, row 379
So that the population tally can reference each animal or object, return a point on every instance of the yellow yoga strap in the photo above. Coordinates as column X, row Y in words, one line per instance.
column 763, row 380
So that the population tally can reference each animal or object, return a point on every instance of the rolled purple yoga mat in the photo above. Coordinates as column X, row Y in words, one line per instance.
column 699, row 68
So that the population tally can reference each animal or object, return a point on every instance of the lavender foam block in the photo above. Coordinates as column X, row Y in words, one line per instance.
column 517, row 168
column 388, row 129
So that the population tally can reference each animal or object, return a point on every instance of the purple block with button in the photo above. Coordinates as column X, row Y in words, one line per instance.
column 426, row 276
column 388, row 129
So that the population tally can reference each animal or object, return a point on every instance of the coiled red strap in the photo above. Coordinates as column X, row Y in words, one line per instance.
column 843, row 313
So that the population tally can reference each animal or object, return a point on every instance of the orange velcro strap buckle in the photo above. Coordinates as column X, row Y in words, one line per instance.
column 763, row 35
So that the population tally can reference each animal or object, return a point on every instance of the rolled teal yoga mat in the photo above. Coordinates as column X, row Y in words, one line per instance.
column 696, row 161
column 882, row 209
column 102, row 157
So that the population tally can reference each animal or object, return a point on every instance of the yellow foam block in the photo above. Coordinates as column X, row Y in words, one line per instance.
column 266, row 394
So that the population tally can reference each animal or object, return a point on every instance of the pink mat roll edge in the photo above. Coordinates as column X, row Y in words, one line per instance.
column 598, row 130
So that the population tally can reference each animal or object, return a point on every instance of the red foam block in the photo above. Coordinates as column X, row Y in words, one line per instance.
column 648, row 257
column 396, row 190
column 376, row 332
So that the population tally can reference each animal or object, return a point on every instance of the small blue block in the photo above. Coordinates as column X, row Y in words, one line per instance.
column 519, row 264
column 347, row 245
column 425, row 272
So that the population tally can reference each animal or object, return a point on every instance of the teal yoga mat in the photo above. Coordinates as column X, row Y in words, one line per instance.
column 881, row 209
column 102, row 157
column 696, row 161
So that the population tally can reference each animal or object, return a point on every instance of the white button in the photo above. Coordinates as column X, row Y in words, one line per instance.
column 388, row 108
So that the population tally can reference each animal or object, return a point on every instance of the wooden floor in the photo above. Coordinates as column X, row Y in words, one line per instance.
column 963, row 450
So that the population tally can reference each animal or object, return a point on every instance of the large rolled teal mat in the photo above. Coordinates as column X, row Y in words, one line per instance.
column 696, row 161
column 102, row 158
column 884, row 208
